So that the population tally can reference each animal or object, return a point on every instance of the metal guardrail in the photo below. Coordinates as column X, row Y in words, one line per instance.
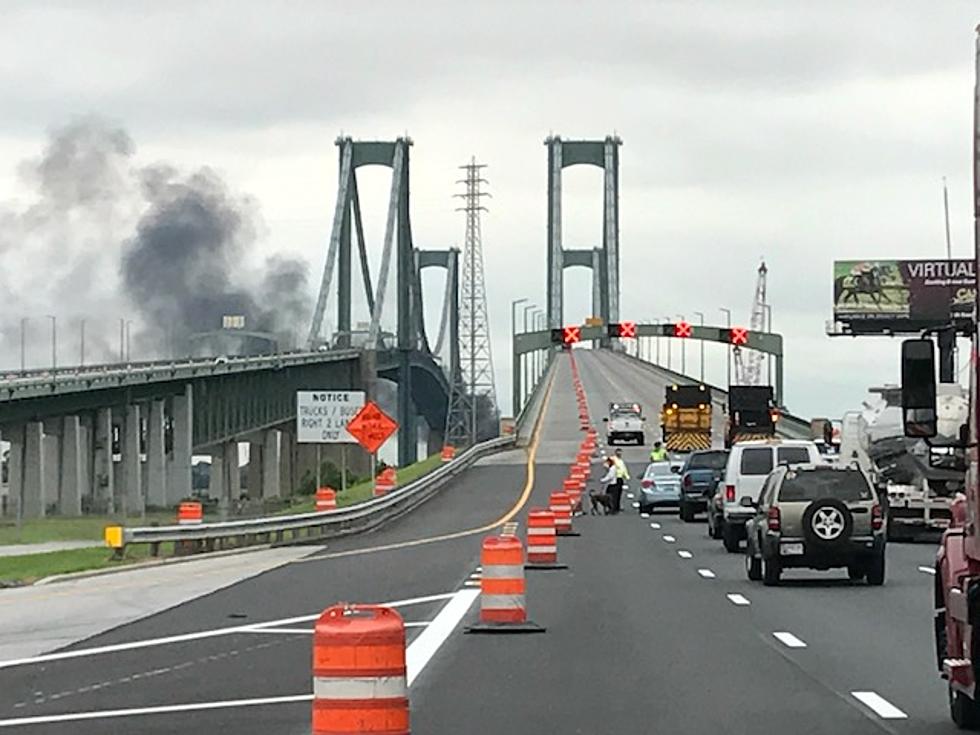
column 342, row 521
column 353, row 519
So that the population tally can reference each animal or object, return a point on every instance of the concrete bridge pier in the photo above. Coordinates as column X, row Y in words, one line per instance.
column 224, row 484
column 178, row 459
column 132, row 472
column 103, row 471
column 156, row 456
column 265, row 465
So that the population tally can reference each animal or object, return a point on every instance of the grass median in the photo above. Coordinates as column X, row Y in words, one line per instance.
column 28, row 568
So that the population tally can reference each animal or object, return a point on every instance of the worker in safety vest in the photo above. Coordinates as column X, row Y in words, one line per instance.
column 622, row 475
column 658, row 453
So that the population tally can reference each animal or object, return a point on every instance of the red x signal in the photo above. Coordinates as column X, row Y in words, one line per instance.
column 571, row 335
column 738, row 335
column 627, row 329
column 682, row 329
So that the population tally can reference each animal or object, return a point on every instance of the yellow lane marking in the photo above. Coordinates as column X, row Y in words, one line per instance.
column 532, row 452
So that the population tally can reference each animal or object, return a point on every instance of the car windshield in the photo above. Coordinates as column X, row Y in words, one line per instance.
column 625, row 411
column 756, row 461
column 659, row 469
column 792, row 455
column 805, row 485
column 707, row 461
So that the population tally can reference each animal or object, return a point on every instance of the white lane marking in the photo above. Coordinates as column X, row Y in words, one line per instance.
column 630, row 495
column 706, row 573
column 418, row 654
column 881, row 706
column 284, row 631
column 684, row 554
column 788, row 639
column 655, row 526
column 635, row 505
column 927, row 570
column 737, row 599
column 472, row 583
column 425, row 646
column 669, row 539
column 184, row 637
column 644, row 515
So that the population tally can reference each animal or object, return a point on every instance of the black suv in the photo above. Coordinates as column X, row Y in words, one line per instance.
column 816, row 517
column 699, row 476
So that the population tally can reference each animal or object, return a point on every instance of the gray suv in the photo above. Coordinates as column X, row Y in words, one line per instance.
column 815, row 517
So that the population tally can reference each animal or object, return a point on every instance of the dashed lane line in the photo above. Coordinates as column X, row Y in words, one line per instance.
column 927, row 570
column 737, row 599
column 655, row 526
column 684, row 554
column 879, row 705
column 788, row 639
column 706, row 573
column 669, row 539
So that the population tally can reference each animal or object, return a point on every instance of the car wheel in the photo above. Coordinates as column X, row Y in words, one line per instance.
column 687, row 513
column 855, row 572
column 729, row 537
column 876, row 569
column 753, row 567
column 963, row 710
column 771, row 570
column 714, row 529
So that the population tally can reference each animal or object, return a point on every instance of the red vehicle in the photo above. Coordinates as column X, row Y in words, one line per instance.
column 957, row 590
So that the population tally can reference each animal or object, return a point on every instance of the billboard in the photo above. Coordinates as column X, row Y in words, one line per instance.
column 896, row 293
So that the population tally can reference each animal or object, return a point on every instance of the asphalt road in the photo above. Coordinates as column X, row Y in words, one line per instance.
column 640, row 637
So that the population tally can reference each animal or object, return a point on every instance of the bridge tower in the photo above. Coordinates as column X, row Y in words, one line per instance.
column 749, row 371
column 397, row 247
column 472, row 393
column 604, row 260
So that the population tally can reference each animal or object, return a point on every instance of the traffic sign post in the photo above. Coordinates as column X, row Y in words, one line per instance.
column 371, row 428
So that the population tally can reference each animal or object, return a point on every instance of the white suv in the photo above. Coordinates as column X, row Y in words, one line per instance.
column 748, row 465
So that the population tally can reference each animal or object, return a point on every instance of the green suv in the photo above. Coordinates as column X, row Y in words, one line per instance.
column 815, row 517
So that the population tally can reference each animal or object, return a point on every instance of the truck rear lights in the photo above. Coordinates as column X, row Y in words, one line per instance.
column 730, row 493
column 646, row 484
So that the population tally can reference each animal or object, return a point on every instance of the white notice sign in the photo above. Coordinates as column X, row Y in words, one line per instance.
column 322, row 415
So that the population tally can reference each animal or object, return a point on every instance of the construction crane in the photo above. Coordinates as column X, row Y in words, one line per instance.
column 748, row 370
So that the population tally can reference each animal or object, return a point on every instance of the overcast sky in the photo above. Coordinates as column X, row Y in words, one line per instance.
column 801, row 132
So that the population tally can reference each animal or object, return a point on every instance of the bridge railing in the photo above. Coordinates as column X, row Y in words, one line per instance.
column 326, row 524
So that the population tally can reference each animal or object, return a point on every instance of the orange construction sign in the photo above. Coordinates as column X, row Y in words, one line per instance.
column 371, row 427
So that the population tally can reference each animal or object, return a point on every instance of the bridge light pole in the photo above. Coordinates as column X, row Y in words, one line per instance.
column 701, row 317
column 515, row 377
column 728, row 359
column 683, row 349
column 81, row 342
column 23, row 343
column 527, row 358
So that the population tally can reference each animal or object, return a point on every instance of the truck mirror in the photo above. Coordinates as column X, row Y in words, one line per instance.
column 919, row 388
column 964, row 435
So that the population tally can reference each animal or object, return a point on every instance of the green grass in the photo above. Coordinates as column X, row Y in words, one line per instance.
column 83, row 528
column 32, row 567
column 363, row 491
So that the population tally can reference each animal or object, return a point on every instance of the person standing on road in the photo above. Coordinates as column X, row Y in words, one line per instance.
column 610, row 483
column 622, row 475
column 658, row 453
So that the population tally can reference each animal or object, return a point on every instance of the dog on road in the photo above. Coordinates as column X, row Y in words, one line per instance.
column 601, row 501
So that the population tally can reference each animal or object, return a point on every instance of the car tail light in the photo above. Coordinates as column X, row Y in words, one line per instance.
column 773, row 517
column 646, row 484
column 730, row 493
column 688, row 481
column 876, row 518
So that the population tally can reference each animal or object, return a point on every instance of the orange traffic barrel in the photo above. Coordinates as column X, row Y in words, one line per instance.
column 542, row 544
column 190, row 512
column 326, row 499
column 448, row 452
column 359, row 676
column 502, row 588
column 561, row 505
column 385, row 482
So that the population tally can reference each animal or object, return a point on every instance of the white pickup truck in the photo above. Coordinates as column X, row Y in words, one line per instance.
column 625, row 423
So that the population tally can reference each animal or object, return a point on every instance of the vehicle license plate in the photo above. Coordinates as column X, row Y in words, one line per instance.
column 791, row 549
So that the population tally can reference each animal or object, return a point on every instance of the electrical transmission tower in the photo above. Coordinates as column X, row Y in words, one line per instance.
column 750, row 371
column 472, row 396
